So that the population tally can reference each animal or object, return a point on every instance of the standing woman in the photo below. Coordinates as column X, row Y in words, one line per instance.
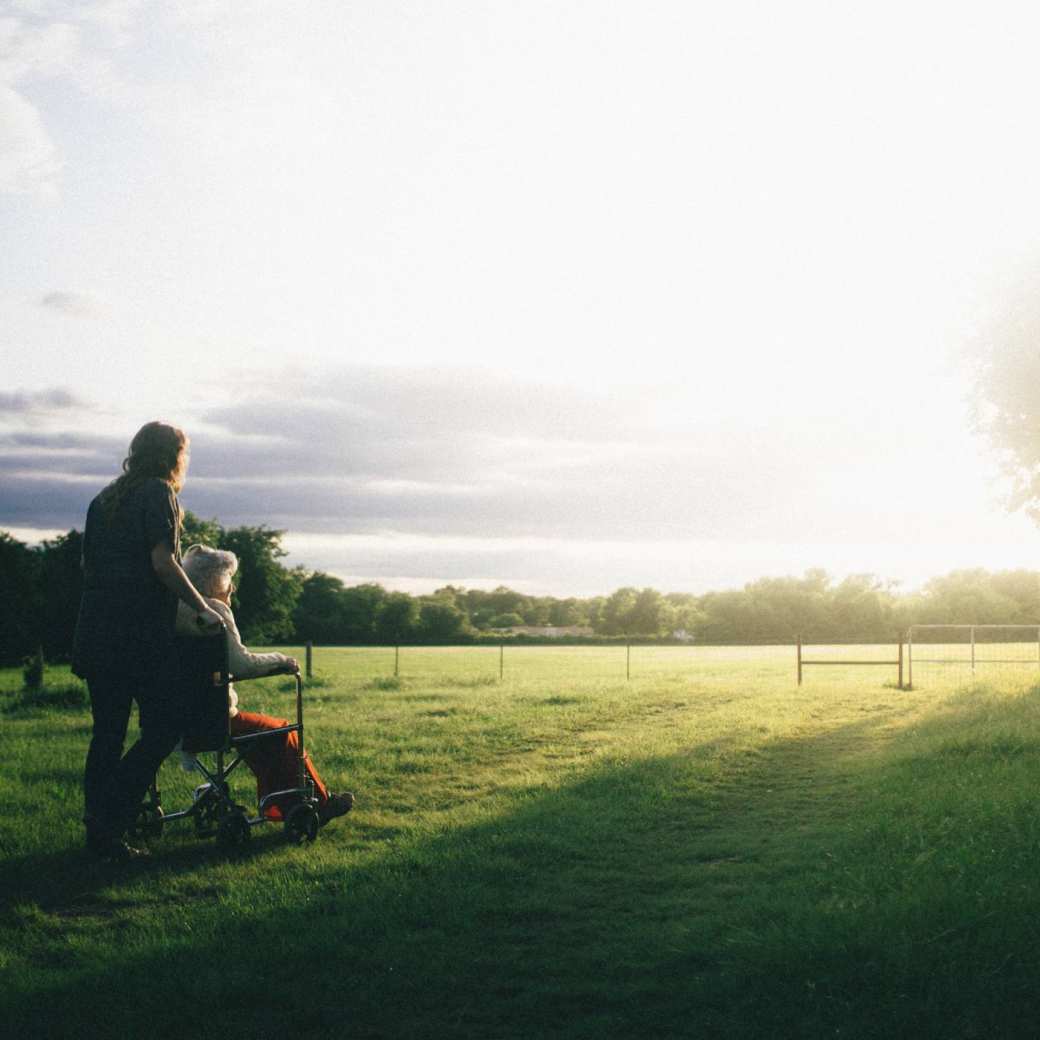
column 132, row 580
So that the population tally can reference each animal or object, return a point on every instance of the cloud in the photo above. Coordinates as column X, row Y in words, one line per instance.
column 395, row 425
column 486, row 463
column 45, row 501
column 41, row 45
column 453, row 452
column 74, row 304
column 28, row 158
column 476, row 453
column 24, row 401
column 114, row 16
column 64, row 41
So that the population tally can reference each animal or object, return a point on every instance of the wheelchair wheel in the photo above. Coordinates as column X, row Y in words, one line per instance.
column 233, row 831
column 301, row 824
column 207, row 807
column 148, row 823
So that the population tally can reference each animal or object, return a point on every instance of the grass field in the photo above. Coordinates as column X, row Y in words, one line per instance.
column 700, row 851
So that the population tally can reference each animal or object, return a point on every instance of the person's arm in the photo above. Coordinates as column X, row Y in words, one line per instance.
column 170, row 573
column 160, row 519
column 243, row 663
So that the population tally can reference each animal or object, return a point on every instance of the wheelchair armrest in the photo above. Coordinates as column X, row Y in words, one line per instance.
column 280, row 670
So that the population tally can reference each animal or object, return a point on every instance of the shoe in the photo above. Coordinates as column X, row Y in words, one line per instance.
column 115, row 850
column 335, row 805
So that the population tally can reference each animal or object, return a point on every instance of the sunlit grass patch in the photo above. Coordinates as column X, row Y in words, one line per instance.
column 387, row 682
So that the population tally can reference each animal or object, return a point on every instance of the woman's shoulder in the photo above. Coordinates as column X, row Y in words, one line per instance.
column 156, row 487
column 99, row 500
column 152, row 494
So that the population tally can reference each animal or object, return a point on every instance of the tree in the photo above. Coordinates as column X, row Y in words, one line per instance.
column 397, row 619
column 502, row 600
column 536, row 611
column 319, row 613
column 200, row 532
column 505, row 621
column 594, row 612
column 21, row 600
column 453, row 594
column 861, row 606
column 267, row 592
column 1023, row 587
column 61, row 585
column 968, row 597
column 565, row 612
column 785, row 607
column 361, row 604
column 441, row 620
column 688, row 617
column 616, row 612
column 649, row 614
column 1007, row 402
column 726, row 615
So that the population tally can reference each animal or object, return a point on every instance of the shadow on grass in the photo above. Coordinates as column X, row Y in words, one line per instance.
column 58, row 881
column 25, row 703
column 802, row 889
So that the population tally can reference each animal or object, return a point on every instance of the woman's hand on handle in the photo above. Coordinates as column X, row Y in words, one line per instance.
column 209, row 621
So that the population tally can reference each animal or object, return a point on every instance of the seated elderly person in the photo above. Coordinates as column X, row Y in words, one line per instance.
column 274, row 760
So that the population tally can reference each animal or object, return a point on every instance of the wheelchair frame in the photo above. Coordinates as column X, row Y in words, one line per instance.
column 202, row 664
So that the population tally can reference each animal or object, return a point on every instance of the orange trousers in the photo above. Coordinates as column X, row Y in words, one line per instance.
column 273, row 760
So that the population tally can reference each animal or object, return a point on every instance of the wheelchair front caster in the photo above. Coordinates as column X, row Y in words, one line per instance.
column 301, row 824
column 233, row 831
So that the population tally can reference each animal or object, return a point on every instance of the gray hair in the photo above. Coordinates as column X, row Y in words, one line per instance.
column 210, row 570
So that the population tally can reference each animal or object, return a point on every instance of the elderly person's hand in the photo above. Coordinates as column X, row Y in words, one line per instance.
column 292, row 666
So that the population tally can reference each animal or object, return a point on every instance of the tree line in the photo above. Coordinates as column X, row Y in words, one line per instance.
column 276, row 604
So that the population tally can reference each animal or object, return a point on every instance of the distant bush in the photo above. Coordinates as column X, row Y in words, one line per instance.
column 32, row 671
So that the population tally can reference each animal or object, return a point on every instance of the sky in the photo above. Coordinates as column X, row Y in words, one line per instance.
column 563, row 296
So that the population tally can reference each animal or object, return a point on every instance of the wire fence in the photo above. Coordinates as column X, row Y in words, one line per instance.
column 923, row 657
column 505, row 662
column 945, row 652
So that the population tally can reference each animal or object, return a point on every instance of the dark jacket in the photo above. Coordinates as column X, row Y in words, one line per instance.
column 126, row 615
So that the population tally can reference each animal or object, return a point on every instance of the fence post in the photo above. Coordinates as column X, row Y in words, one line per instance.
column 899, row 636
column 310, row 651
column 799, row 660
column 397, row 658
column 910, row 658
column 973, row 651
column 501, row 660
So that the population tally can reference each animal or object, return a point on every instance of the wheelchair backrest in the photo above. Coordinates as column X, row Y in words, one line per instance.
column 202, row 672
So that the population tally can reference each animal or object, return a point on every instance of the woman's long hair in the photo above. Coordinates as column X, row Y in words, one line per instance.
column 157, row 450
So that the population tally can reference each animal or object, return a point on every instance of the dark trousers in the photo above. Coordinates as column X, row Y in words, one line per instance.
column 114, row 784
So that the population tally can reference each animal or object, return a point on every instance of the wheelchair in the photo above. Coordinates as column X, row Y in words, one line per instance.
column 202, row 674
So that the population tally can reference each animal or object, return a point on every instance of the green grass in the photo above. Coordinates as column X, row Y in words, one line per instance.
column 706, row 850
